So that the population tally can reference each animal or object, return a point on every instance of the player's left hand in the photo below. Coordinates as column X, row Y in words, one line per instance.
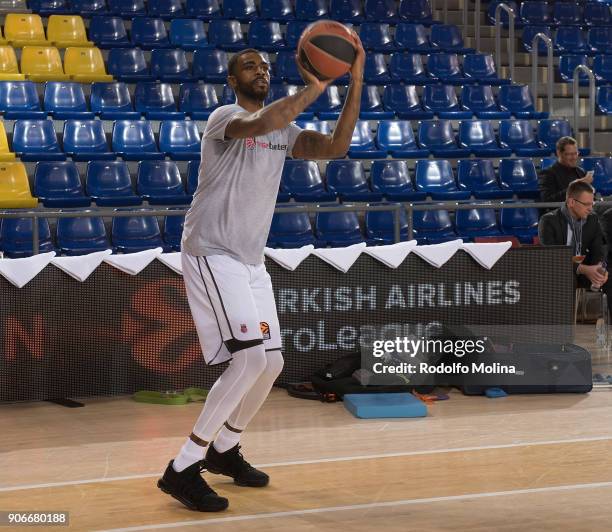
column 358, row 64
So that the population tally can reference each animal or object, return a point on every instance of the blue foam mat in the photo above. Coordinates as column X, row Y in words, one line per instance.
column 378, row 405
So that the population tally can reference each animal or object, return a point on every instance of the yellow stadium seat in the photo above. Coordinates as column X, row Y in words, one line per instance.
column 65, row 30
column 24, row 30
column 85, row 65
column 42, row 63
column 5, row 153
column 14, row 187
column 9, row 70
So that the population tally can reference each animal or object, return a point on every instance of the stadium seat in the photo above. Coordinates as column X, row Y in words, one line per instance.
column 380, row 226
column 193, row 168
column 127, row 8
column 9, row 69
column 326, row 102
column 159, row 183
column 567, row 14
column 408, row 67
column 597, row 14
column 65, row 99
column 203, row 9
column 478, row 136
column 42, row 63
column 85, row 65
column 536, row 12
column 519, row 101
column 16, row 237
column 128, row 65
column 518, row 135
column 375, row 69
column 88, row 8
column 134, row 140
column 302, row 180
column 109, row 184
column 381, row 11
column 311, row 9
column 15, row 187
column 447, row 38
column 242, row 10
column 19, row 99
column 65, row 30
column 376, row 36
column 416, row 11
column 602, row 69
column 198, row 100
column 131, row 234
column 446, row 68
column 404, row 102
column 166, row 9
column 173, row 231
column 520, row 176
column 392, row 179
column 112, row 101
column 362, row 143
column 279, row 10
column 602, row 173
column 338, row 229
column 286, row 68
column 438, row 137
column 226, row 34
column 433, row 227
column 294, row 32
column 327, row 106
column 108, row 32
column 371, row 105
column 85, row 140
column 170, row 65
column 412, row 38
column 346, row 11
column 547, row 162
column 266, row 35
column 58, row 184
column 481, row 68
column 437, row 179
column 49, row 7
column 322, row 126
column 290, row 230
column 570, row 39
column 478, row 176
column 567, row 65
column 604, row 100
column 600, row 40
column 81, row 236
column 442, row 100
column 550, row 131
column 520, row 222
column 149, row 33
column 471, row 223
column 35, row 140
column 347, row 179
column 480, row 101
column 529, row 32
column 188, row 34
column 180, row 139
column 397, row 138
column 210, row 65
column 22, row 29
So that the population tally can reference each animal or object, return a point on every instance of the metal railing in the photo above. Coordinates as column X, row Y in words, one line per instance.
column 550, row 68
column 591, row 102
column 477, row 24
column 511, row 41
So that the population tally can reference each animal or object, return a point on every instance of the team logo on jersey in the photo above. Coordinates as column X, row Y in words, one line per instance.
column 250, row 143
column 265, row 330
column 243, row 328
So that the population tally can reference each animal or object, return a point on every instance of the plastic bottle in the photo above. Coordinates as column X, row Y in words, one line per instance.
column 602, row 325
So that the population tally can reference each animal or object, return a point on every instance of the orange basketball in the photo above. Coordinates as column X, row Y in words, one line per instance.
column 327, row 49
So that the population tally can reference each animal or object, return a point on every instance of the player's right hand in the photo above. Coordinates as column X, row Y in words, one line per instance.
column 310, row 79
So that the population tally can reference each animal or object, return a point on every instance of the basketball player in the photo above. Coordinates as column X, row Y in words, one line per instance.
column 229, row 291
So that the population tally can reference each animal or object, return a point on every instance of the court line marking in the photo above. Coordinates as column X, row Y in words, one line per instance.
column 404, row 502
column 323, row 461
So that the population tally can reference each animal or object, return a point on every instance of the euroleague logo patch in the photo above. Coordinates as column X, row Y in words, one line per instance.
column 265, row 330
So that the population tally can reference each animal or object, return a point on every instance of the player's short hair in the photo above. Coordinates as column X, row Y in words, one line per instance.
column 233, row 62
column 565, row 141
column 577, row 187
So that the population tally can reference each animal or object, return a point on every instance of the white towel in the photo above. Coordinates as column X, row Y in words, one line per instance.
column 289, row 259
column 487, row 253
column 133, row 263
column 20, row 272
column 81, row 267
column 172, row 260
column 438, row 254
column 341, row 258
column 393, row 255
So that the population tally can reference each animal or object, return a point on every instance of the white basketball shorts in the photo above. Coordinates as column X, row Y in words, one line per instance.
column 232, row 305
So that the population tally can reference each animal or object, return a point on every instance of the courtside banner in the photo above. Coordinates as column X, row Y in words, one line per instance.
column 116, row 333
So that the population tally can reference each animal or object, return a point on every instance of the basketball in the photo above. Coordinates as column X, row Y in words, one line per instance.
column 327, row 49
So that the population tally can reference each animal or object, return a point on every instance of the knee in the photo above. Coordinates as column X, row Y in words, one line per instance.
column 254, row 359
column 275, row 363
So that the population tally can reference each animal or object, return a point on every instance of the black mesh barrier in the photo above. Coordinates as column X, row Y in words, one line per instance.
column 116, row 333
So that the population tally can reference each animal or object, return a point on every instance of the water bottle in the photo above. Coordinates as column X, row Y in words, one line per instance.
column 602, row 325
column 602, row 269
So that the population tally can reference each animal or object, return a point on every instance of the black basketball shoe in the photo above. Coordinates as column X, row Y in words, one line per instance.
column 191, row 489
column 233, row 464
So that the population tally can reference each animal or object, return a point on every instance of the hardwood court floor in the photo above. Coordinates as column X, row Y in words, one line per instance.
column 517, row 463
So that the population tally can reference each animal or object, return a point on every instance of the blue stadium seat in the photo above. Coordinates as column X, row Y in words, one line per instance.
column 392, row 179
column 446, row 68
column 397, row 138
column 521, row 222
column 226, row 34
column 88, row 8
column 412, row 38
column 159, row 183
column 567, row 14
column 65, row 100
column 85, row 140
column 286, row 68
column 602, row 173
column 379, row 226
column 327, row 101
column 156, row 101
column 371, row 105
column 536, row 12
column 303, row 181
column 381, row 11
column 108, row 32
column 529, row 32
column 416, row 11
column 170, row 65
column 547, row 162
column 478, row 136
column 436, row 178
column 294, row 32
column 442, row 100
column 600, row 40
column 290, row 230
column 58, row 184
column 128, row 64
column 173, row 231
column 188, row 34
column 438, row 137
column 567, row 64
column 242, row 10
column 604, row 100
column 19, row 99
column 518, row 135
column 408, row 67
column 478, row 176
column 311, row 9
column 82, row 235
column 404, row 102
column 35, row 140
column 131, row 234
column 347, row 179
column 597, row 14
column 480, row 101
column 448, row 38
column 193, row 168
column 280, row 10
column 481, row 68
column 126, row 8
column 376, row 36
column 321, row 126
column 49, row 7
column 433, row 227
column 346, row 11
column 570, row 39
column 519, row 101
column 602, row 69
column 112, row 101
column 166, row 9
column 16, row 237
column 375, row 69
column 210, row 65
column 198, row 100
column 338, row 229
column 328, row 105
column 471, row 223
column 149, row 33
column 109, row 184
column 504, row 16
column 362, row 143
column 203, row 9
column 520, row 176
column 550, row 131
column 133, row 140
column 180, row 139
column 266, row 35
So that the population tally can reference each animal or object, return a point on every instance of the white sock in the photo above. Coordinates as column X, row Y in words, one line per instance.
column 189, row 454
column 226, row 439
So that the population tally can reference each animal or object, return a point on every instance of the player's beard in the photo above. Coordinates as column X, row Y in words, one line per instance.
column 253, row 90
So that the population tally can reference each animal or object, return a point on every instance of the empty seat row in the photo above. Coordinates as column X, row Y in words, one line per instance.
column 27, row 30
column 601, row 67
column 569, row 39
